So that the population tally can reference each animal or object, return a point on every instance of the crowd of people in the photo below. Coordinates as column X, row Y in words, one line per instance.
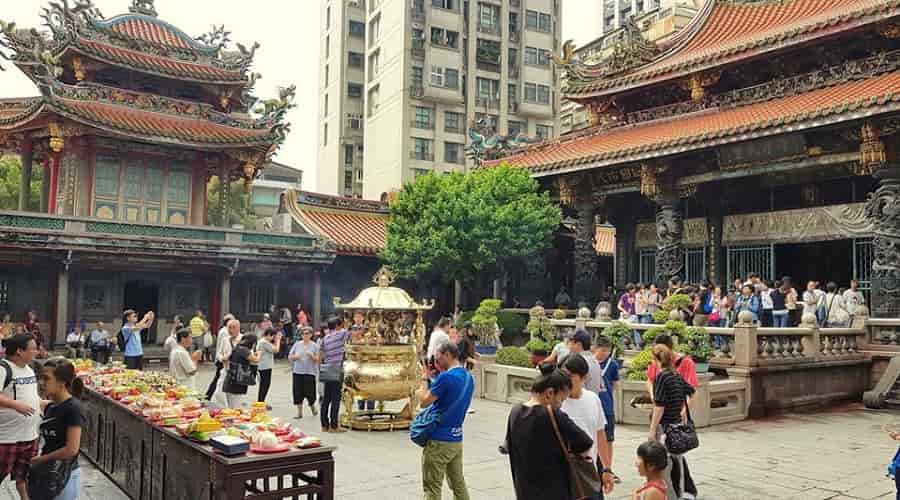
column 771, row 303
column 569, row 421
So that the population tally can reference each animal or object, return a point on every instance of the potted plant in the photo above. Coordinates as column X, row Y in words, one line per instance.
column 677, row 302
column 619, row 333
column 638, row 371
column 542, row 337
column 484, row 321
column 696, row 344
column 539, row 350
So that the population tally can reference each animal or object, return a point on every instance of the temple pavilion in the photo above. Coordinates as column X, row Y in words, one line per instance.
column 760, row 138
column 133, row 119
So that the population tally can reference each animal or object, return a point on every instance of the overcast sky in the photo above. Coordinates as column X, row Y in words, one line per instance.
column 288, row 33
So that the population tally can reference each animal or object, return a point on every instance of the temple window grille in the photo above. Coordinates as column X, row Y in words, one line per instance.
column 743, row 260
column 863, row 257
column 694, row 264
column 259, row 299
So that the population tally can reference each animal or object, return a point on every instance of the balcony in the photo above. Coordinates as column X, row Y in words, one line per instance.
column 429, row 125
column 485, row 65
column 89, row 236
column 418, row 50
column 513, row 107
column 416, row 91
column 514, row 35
column 490, row 29
column 418, row 14
column 515, row 3
column 421, row 155
column 513, row 71
column 487, row 102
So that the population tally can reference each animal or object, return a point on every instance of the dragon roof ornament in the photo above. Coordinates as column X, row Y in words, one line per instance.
column 484, row 144
column 631, row 51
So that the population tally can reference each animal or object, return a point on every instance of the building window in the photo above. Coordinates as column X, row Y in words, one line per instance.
column 417, row 77
column 355, row 60
column 516, row 128
column 418, row 39
column 375, row 29
column 260, row 298
column 354, row 121
column 423, row 118
column 544, row 132
column 451, row 78
column 453, row 122
column 141, row 192
column 445, row 4
column 354, row 90
column 348, row 156
column 453, row 152
column 444, row 38
column 373, row 100
column 357, row 29
column 537, row 57
column 325, row 135
column 373, row 64
column 348, row 181
column 489, row 17
column 538, row 21
column 487, row 88
column 513, row 22
column 423, row 149
column 535, row 93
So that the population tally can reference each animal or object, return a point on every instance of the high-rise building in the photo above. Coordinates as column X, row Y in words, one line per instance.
column 657, row 19
column 430, row 68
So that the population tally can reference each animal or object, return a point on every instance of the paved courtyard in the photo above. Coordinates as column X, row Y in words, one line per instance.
column 840, row 454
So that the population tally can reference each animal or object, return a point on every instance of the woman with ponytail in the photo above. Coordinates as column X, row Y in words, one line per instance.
column 539, row 468
column 61, row 430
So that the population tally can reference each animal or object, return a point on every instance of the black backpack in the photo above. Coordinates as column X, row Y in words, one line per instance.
column 8, row 376
column 120, row 339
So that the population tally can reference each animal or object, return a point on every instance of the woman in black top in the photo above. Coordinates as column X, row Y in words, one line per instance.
column 242, row 357
column 61, row 425
column 670, row 397
column 539, row 468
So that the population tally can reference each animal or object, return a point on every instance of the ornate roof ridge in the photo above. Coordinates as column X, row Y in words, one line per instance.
column 318, row 200
column 780, row 37
column 182, row 35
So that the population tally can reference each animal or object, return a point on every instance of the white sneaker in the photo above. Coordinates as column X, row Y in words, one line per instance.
column 471, row 411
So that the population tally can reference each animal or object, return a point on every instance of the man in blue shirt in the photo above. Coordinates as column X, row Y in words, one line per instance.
column 133, row 351
column 451, row 392
column 609, row 368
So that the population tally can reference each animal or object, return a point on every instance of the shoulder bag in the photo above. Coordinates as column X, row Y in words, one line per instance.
column 242, row 373
column 49, row 479
column 681, row 437
column 428, row 420
column 584, row 482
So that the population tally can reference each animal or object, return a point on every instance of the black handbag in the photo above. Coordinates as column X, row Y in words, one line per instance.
column 584, row 481
column 681, row 437
column 242, row 374
column 49, row 479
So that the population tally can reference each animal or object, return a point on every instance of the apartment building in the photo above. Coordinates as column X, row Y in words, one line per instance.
column 432, row 68
column 658, row 20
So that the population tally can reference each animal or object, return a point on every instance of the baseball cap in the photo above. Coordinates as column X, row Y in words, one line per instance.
column 581, row 336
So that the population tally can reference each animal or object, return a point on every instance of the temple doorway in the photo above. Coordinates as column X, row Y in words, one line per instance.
column 823, row 261
column 143, row 296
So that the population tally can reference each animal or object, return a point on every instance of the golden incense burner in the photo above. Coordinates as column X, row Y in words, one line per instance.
column 382, row 364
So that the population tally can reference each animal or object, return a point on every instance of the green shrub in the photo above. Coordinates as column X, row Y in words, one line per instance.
column 677, row 301
column 639, row 364
column 486, row 314
column 542, row 329
column 512, row 323
column 696, row 344
column 660, row 316
column 465, row 316
column 559, row 314
column 676, row 329
column 514, row 356
column 650, row 334
column 616, row 332
column 535, row 345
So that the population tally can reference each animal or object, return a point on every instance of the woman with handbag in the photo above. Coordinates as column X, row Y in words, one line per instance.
column 242, row 368
column 55, row 473
column 586, row 410
column 540, row 468
column 671, row 421
column 836, row 315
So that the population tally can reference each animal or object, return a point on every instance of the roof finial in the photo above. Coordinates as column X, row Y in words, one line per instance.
column 144, row 7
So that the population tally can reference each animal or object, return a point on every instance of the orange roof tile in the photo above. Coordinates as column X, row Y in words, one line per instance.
column 697, row 130
column 151, row 31
column 733, row 31
column 159, row 64
column 353, row 233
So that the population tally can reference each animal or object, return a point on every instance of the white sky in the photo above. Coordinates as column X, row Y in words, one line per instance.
column 288, row 33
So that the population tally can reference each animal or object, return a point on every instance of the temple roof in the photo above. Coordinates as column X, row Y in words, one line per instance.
column 598, row 147
column 728, row 31
column 141, row 116
column 354, row 226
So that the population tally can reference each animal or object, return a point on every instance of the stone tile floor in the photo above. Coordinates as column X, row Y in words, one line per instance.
column 837, row 454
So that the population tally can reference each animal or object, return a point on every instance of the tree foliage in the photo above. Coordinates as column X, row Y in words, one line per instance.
column 456, row 226
column 238, row 210
column 11, row 177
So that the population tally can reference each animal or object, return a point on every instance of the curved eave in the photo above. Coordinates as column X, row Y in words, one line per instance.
column 154, row 65
column 123, row 24
column 16, row 117
column 657, row 71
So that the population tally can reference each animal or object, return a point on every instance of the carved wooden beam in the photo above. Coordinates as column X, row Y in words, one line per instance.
column 696, row 84
column 872, row 151
column 889, row 29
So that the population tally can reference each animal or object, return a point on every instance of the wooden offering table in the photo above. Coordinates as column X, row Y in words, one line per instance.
column 149, row 462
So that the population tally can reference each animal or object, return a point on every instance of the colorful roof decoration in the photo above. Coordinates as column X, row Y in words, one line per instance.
column 726, row 31
column 597, row 148
column 137, row 40
column 354, row 226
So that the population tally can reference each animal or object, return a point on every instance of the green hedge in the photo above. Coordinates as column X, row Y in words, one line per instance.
column 514, row 356
column 639, row 364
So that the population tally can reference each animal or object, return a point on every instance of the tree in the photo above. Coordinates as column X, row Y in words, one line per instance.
column 456, row 226
column 11, row 178
column 238, row 210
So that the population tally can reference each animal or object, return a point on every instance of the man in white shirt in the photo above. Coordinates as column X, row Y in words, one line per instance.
column 20, row 407
column 438, row 336
column 853, row 298
column 220, row 339
column 182, row 364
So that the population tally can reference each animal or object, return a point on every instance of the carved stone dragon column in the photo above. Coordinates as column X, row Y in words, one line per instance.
column 577, row 191
column 883, row 211
column 657, row 184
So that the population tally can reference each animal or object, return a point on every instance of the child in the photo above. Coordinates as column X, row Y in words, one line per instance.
column 610, row 370
column 651, row 462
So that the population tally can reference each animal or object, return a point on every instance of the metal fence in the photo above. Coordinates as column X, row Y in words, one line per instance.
column 742, row 260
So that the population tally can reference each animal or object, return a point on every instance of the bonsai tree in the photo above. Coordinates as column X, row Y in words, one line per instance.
column 639, row 364
column 675, row 329
column 618, row 332
column 485, row 321
column 541, row 333
column 696, row 344
column 513, row 356
column 676, row 302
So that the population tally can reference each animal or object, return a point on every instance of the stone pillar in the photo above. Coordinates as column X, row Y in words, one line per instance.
column 224, row 195
column 317, row 298
column 715, row 220
column 52, row 197
column 198, row 198
column 45, row 186
column 669, row 232
column 225, row 293
column 61, row 316
column 881, row 210
column 585, row 285
column 626, row 249
column 26, row 157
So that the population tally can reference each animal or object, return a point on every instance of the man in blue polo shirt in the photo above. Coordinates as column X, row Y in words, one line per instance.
column 133, row 351
column 451, row 391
